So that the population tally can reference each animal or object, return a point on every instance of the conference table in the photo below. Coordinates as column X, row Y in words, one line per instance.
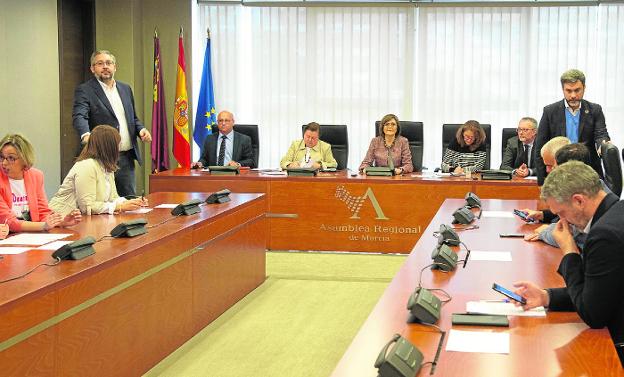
column 335, row 211
column 125, row 308
column 559, row 344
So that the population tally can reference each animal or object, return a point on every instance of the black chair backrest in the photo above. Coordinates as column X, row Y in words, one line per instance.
column 448, row 134
column 413, row 132
column 612, row 167
column 508, row 133
column 337, row 136
column 251, row 130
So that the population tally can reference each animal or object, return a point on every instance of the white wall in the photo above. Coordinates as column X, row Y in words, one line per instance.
column 29, row 80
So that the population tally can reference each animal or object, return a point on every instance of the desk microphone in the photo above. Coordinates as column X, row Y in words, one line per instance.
column 352, row 173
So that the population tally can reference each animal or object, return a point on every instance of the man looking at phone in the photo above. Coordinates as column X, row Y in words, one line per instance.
column 593, row 276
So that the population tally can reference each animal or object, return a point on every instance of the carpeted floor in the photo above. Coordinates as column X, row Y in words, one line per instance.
column 298, row 323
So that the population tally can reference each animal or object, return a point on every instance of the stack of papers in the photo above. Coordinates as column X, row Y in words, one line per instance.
column 478, row 341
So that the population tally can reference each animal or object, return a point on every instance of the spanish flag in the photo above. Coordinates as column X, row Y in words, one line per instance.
column 181, row 134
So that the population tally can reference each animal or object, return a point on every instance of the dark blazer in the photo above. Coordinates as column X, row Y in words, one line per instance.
column 512, row 157
column 242, row 152
column 594, row 284
column 592, row 131
column 92, row 108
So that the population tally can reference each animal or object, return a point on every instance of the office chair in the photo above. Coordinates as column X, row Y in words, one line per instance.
column 449, row 131
column 413, row 132
column 508, row 133
column 612, row 167
column 251, row 130
column 337, row 136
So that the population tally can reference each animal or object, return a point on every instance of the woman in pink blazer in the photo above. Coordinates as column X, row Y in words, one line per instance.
column 23, row 202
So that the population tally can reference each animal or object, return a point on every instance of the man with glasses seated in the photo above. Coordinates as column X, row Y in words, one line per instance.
column 104, row 100
column 519, row 155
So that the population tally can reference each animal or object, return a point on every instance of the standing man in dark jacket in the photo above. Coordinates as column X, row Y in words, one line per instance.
column 594, row 287
column 103, row 100
column 579, row 120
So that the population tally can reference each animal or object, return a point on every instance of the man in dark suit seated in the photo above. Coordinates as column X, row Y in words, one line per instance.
column 519, row 155
column 594, row 287
column 104, row 100
column 579, row 120
column 226, row 147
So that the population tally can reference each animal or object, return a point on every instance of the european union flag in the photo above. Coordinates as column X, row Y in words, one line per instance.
column 206, row 117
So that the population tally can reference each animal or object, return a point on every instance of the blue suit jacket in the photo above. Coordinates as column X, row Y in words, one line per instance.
column 92, row 108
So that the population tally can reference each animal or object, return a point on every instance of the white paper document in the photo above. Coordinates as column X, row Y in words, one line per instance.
column 531, row 178
column 13, row 250
column 498, row 214
column 497, row 256
column 478, row 341
column 275, row 173
column 166, row 205
column 33, row 238
column 53, row 245
column 140, row 211
column 503, row 308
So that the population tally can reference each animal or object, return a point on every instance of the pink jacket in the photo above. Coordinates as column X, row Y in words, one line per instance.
column 37, row 200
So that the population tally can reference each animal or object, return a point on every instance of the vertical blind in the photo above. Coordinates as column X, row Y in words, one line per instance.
column 281, row 67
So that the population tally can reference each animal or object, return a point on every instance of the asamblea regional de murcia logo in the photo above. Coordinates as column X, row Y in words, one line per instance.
column 354, row 203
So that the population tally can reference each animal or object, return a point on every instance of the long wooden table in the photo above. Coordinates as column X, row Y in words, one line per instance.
column 559, row 344
column 335, row 211
column 122, row 310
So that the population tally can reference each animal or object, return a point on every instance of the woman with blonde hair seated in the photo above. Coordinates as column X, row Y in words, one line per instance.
column 23, row 201
column 389, row 148
column 90, row 184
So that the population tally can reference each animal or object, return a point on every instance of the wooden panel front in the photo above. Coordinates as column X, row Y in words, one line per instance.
column 558, row 344
column 366, row 215
column 312, row 213
column 124, row 309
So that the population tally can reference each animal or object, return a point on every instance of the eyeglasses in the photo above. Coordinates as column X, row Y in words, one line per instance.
column 392, row 125
column 9, row 159
column 521, row 130
column 103, row 63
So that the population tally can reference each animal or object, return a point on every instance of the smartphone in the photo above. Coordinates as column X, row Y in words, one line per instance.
column 522, row 215
column 508, row 293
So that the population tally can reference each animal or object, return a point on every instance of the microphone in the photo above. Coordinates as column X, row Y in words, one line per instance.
column 473, row 201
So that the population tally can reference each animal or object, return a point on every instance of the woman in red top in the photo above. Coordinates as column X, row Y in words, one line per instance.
column 23, row 202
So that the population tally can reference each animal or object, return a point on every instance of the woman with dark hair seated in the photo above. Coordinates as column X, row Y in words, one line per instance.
column 90, row 184
column 389, row 148
column 466, row 150
column 23, row 201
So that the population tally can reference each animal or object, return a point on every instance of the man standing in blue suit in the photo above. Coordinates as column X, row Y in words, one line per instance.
column 579, row 120
column 103, row 100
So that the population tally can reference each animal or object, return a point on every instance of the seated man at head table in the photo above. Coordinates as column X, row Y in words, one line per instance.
column 594, row 287
column 309, row 152
column 226, row 147
column 570, row 152
column 519, row 155
column 23, row 202
column 389, row 148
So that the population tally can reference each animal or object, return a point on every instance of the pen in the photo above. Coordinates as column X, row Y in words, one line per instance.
column 504, row 300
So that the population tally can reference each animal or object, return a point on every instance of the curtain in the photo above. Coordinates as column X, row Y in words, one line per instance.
column 281, row 67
